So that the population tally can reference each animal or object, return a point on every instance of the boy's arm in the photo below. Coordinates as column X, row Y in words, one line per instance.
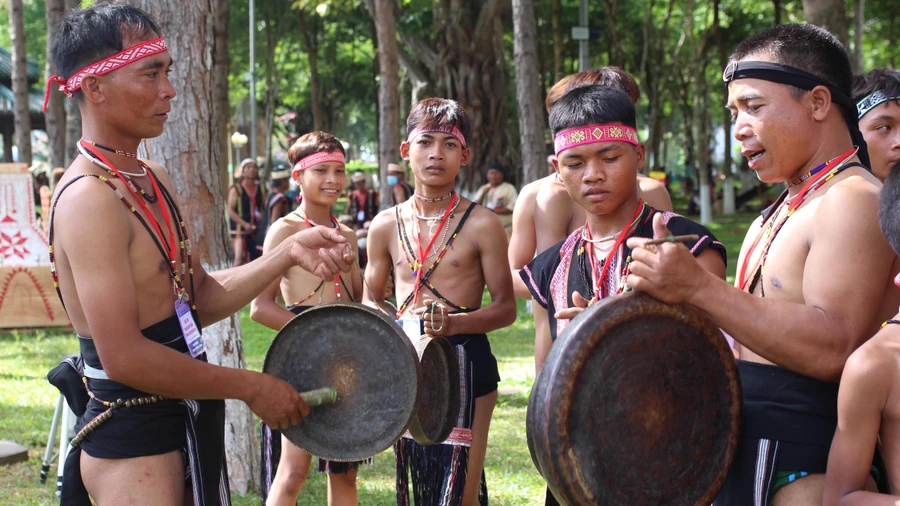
column 542, row 340
column 264, row 309
column 522, row 242
column 501, row 312
column 378, row 270
column 864, row 389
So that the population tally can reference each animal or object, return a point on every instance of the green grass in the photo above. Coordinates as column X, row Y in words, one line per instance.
column 27, row 402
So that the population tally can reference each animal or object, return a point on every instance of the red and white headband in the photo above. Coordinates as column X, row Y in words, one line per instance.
column 334, row 155
column 106, row 65
column 449, row 130
column 592, row 134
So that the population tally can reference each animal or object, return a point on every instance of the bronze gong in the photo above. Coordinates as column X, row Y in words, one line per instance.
column 372, row 366
column 438, row 407
column 638, row 403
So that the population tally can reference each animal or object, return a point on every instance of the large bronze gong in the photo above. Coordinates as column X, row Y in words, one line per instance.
column 438, row 407
column 365, row 356
column 638, row 403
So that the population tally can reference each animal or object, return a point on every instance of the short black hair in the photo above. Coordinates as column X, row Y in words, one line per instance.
column 803, row 46
column 88, row 35
column 591, row 105
column 884, row 80
column 438, row 113
column 889, row 208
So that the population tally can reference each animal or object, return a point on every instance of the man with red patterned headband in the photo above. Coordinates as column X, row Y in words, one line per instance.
column 598, row 156
column 444, row 250
column 318, row 167
column 150, row 426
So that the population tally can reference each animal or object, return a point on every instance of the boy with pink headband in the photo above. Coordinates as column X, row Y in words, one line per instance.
column 151, row 418
column 598, row 156
column 318, row 167
column 444, row 250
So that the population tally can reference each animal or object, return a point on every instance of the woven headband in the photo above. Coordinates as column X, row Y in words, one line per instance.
column 592, row 134
column 792, row 76
column 877, row 98
column 105, row 66
column 449, row 130
column 317, row 158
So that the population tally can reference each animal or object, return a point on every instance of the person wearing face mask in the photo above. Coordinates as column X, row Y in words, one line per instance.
column 401, row 191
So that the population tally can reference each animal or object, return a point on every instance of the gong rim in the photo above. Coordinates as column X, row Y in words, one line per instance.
column 556, row 446
column 356, row 375
column 430, row 424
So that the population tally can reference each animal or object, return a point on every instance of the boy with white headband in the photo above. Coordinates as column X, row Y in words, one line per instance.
column 150, row 426
column 444, row 250
column 317, row 159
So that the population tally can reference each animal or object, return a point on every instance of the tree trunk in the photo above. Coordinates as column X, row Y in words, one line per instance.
column 728, row 185
column 858, row 26
column 191, row 149
column 272, row 81
column 828, row 14
column 388, row 94
column 309, row 44
column 73, row 113
column 221, row 113
column 558, row 47
column 55, row 117
column 21, row 114
column 528, row 93
column 777, row 6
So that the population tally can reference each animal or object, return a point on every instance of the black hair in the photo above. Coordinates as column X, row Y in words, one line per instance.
column 803, row 46
column 436, row 113
column 889, row 208
column 591, row 105
column 88, row 35
column 884, row 80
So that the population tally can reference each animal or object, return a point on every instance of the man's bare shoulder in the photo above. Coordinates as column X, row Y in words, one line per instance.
column 854, row 197
column 481, row 218
column 552, row 193
column 530, row 191
column 648, row 184
column 873, row 365
column 386, row 218
column 86, row 204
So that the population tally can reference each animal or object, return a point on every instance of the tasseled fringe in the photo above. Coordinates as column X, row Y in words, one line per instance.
column 438, row 474
column 270, row 444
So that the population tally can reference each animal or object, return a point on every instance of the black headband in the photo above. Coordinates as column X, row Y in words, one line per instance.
column 792, row 76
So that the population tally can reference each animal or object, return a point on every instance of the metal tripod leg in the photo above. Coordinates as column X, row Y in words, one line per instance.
column 49, row 457
column 66, row 433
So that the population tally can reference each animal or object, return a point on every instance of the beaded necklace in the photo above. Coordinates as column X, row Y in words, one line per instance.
column 436, row 199
column 337, row 277
column 772, row 226
column 135, row 187
column 600, row 281
column 111, row 150
column 424, row 251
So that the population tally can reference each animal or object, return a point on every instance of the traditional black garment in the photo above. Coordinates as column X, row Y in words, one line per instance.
column 270, row 445
column 555, row 274
column 195, row 427
column 362, row 206
column 265, row 223
column 251, row 211
column 788, row 423
column 407, row 192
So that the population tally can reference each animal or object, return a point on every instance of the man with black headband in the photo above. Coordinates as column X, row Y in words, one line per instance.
column 813, row 267
column 877, row 97
column 150, row 427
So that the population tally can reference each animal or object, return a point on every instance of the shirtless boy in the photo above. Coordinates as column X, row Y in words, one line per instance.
column 868, row 402
column 812, row 270
column 317, row 161
column 123, row 268
column 444, row 250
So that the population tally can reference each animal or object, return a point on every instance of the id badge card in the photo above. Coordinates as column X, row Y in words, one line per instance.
column 412, row 326
column 360, row 216
column 189, row 329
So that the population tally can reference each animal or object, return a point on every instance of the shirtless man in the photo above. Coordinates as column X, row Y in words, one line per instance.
column 877, row 97
column 545, row 206
column 121, row 269
column 444, row 250
column 812, row 271
column 868, row 403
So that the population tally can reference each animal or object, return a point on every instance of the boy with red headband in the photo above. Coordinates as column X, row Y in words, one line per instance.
column 317, row 159
column 150, row 426
column 444, row 250
column 597, row 157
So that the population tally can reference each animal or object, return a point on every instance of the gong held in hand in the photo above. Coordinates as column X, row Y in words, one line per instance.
column 638, row 402
column 358, row 371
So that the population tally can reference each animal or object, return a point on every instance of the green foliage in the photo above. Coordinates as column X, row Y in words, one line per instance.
column 35, row 30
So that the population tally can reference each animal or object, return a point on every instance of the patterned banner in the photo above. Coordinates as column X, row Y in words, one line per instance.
column 592, row 134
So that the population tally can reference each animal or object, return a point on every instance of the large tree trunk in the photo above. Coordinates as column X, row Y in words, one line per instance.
column 191, row 149
column 528, row 93
column 55, row 117
column 21, row 114
column 858, row 26
column 728, row 203
column 309, row 44
column 776, row 4
column 829, row 14
column 388, row 94
column 73, row 113
column 558, row 48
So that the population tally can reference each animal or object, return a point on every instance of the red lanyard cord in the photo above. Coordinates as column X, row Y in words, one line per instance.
column 337, row 277
column 424, row 252
column 600, row 281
